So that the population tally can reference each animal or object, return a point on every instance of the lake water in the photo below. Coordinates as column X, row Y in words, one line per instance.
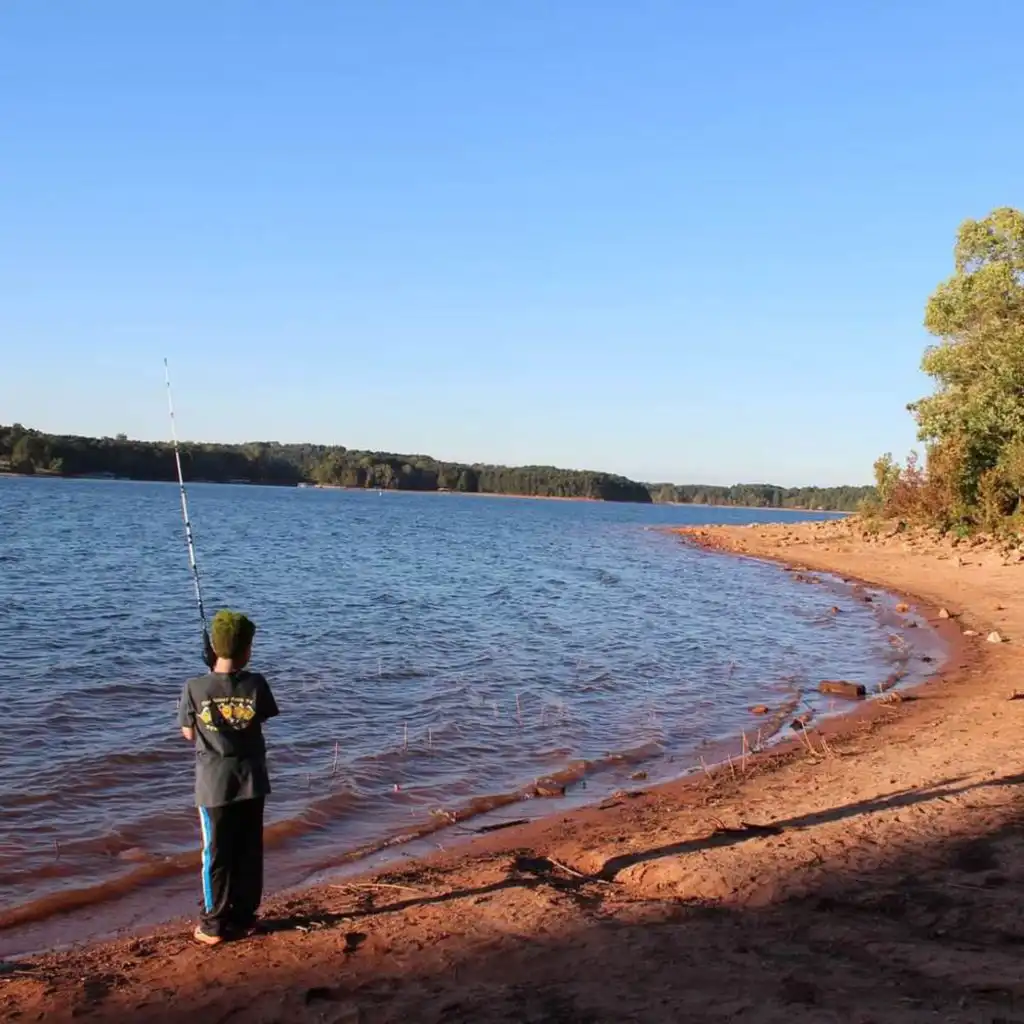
column 425, row 650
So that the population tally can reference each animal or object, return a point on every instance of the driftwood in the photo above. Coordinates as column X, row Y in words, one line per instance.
column 499, row 826
column 841, row 688
column 745, row 828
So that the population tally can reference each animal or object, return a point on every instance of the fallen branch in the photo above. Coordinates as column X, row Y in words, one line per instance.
column 375, row 885
column 499, row 826
column 577, row 874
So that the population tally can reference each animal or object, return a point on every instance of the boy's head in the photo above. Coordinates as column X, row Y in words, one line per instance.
column 231, row 636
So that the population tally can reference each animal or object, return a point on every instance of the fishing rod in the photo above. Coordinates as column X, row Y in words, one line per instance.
column 208, row 655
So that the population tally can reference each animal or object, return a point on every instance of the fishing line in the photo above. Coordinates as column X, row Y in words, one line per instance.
column 193, row 565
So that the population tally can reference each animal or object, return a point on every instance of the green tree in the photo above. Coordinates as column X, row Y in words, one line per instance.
column 448, row 478
column 22, row 455
column 887, row 476
column 973, row 423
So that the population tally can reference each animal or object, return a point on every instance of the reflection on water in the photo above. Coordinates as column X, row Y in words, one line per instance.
column 426, row 650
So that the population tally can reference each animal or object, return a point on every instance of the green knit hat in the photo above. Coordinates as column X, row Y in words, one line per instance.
column 231, row 634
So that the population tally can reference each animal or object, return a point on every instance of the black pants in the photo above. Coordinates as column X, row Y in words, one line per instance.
column 232, row 865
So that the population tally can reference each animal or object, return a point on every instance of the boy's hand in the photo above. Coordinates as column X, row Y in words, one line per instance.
column 209, row 655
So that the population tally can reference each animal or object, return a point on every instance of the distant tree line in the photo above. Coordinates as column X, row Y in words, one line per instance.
column 267, row 462
column 834, row 499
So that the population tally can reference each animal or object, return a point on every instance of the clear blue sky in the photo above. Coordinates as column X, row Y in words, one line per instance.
column 676, row 240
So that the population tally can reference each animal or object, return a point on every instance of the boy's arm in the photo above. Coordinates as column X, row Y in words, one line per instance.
column 187, row 714
column 266, row 706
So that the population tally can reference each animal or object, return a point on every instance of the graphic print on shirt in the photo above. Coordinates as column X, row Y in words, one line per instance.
column 227, row 713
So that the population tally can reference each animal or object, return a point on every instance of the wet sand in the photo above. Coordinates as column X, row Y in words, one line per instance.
column 872, row 870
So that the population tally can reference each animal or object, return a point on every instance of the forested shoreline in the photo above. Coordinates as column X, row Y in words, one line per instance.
column 831, row 499
column 972, row 425
column 27, row 451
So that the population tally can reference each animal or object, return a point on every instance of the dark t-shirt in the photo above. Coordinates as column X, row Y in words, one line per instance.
column 227, row 713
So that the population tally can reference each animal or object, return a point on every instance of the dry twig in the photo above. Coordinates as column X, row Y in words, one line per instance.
column 577, row 874
column 375, row 885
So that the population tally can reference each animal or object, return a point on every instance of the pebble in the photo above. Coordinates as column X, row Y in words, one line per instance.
column 994, row 638
column 944, row 613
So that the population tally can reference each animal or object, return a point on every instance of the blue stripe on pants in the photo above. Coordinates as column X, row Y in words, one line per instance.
column 204, row 824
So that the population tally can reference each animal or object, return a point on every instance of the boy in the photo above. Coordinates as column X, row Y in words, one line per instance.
column 223, row 713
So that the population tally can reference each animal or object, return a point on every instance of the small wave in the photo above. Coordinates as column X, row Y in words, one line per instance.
column 89, row 895
column 105, row 688
column 89, row 775
column 317, row 813
column 392, row 675
column 65, row 864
